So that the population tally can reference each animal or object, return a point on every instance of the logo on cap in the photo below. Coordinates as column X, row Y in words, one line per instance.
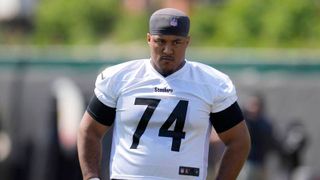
column 174, row 22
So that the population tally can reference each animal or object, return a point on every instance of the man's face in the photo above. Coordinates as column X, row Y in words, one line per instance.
column 167, row 52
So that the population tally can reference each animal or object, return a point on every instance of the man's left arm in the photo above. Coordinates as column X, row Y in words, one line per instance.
column 237, row 147
column 228, row 121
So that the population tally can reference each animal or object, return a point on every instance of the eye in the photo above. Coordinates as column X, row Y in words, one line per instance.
column 177, row 42
column 159, row 41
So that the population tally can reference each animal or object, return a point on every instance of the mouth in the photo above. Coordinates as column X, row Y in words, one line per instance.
column 167, row 58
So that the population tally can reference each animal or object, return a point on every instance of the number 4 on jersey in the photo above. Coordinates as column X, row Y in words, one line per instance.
column 178, row 114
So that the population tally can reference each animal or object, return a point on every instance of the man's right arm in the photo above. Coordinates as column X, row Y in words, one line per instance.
column 90, row 135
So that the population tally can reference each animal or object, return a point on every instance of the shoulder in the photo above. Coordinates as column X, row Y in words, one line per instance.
column 207, row 73
column 110, row 81
column 124, row 67
column 220, row 87
column 123, row 70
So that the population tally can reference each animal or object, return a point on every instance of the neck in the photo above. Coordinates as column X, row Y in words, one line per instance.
column 164, row 72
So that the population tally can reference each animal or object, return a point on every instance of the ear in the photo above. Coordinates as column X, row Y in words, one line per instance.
column 148, row 38
column 188, row 40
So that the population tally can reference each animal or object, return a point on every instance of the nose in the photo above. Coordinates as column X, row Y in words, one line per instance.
column 168, row 49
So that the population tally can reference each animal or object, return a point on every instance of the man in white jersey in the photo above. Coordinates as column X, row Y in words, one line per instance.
column 162, row 111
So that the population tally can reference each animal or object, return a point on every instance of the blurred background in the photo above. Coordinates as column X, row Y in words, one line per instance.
column 52, row 50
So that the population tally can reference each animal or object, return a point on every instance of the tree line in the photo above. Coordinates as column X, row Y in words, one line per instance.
column 225, row 23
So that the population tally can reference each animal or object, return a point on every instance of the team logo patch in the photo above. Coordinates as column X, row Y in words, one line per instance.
column 174, row 22
column 189, row 171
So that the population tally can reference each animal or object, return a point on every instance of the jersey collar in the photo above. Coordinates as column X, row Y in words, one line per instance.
column 171, row 76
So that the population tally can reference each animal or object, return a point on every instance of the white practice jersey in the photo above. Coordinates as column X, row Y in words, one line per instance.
column 162, row 126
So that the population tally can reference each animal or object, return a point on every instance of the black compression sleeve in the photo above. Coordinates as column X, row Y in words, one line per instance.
column 100, row 112
column 227, row 118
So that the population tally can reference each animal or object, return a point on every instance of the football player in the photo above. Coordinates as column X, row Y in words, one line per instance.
column 162, row 110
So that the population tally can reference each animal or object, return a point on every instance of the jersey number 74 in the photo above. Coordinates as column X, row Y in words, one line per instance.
column 178, row 114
